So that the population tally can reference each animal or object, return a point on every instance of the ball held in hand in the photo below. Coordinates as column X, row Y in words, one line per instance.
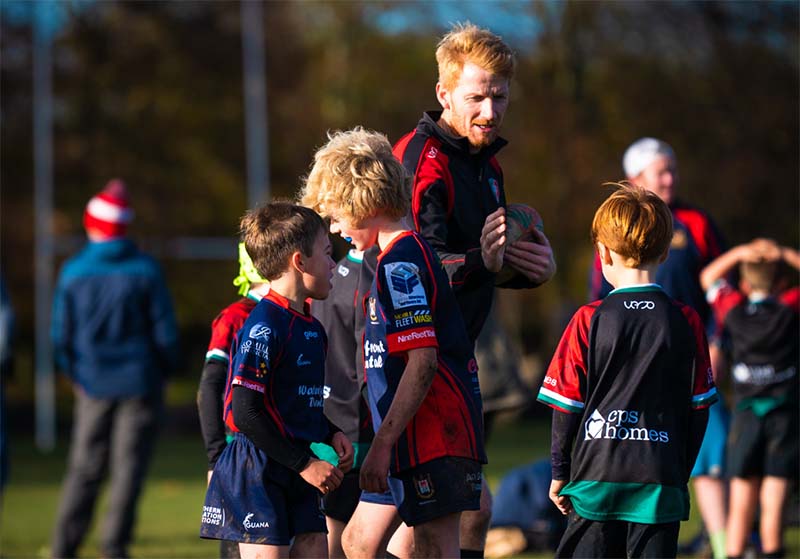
column 521, row 220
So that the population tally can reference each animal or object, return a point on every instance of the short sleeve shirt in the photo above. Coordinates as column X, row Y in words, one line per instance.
column 225, row 326
column 411, row 305
column 633, row 365
column 280, row 353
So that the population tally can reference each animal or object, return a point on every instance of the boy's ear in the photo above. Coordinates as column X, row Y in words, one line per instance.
column 604, row 253
column 297, row 261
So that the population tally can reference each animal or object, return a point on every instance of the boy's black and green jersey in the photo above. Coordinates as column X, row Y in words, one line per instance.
column 635, row 366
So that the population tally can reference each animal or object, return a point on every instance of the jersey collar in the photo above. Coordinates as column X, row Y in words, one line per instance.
column 639, row 288
column 394, row 241
column 283, row 302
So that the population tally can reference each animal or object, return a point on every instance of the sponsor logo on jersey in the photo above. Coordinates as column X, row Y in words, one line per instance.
column 343, row 270
column 373, row 354
column 213, row 515
column 309, row 334
column 416, row 335
column 315, row 394
column 412, row 318
column 302, row 362
column 432, row 153
column 373, row 312
column 260, row 332
column 326, row 392
column 257, row 348
column 760, row 374
column 640, row 305
column 405, row 285
column 424, row 486
column 621, row 425
column 250, row 525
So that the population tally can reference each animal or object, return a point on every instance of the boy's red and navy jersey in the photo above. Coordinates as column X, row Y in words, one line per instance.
column 765, row 341
column 412, row 306
column 225, row 326
column 696, row 241
column 634, row 365
column 281, row 353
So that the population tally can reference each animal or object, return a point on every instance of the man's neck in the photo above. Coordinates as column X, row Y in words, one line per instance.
column 444, row 124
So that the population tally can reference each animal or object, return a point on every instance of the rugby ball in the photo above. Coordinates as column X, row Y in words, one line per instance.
column 521, row 220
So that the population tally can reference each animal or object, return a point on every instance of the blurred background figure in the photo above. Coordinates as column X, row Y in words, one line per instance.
column 6, row 368
column 115, row 337
column 651, row 163
column 761, row 320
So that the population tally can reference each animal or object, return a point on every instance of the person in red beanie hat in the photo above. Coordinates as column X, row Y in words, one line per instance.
column 115, row 337
column 108, row 213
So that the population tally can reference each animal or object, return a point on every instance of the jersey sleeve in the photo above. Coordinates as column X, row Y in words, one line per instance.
column 791, row 298
column 722, row 298
column 564, row 385
column 219, row 345
column 256, row 356
column 406, row 294
column 432, row 204
column 704, row 393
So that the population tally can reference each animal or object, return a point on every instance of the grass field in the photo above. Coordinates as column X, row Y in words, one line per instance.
column 170, row 506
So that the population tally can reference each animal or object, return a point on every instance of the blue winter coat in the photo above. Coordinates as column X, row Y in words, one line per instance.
column 113, row 328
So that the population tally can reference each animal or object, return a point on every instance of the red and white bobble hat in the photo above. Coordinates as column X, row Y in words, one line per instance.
column 109, row 212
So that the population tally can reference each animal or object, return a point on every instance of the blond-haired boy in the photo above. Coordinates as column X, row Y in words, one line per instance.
column 266, row 485
column 630, row 384
column 421, row 374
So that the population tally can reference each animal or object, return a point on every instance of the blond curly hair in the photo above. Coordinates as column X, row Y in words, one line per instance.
column 355, row 176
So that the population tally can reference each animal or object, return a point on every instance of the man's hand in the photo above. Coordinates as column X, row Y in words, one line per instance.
column 375, row 468
column 563, row 503
column 344, row 449
column 322, row 475
column 493, row 240
column 532, row 259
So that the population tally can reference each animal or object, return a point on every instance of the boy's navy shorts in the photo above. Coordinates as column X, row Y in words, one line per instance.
column 253, row 499
column 437, row 488
column 341, row 503
column 764, row 446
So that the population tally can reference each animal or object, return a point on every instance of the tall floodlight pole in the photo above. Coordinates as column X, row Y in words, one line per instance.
column 43, row 208
column 255, row 101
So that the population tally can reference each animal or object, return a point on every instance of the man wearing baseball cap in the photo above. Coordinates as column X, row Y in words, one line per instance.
column 115, row 337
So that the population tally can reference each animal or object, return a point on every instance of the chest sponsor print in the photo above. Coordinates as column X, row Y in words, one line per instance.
column 405, row 285
column 621, row 425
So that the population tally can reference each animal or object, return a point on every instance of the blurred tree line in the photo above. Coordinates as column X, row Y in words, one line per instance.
column 152, row 92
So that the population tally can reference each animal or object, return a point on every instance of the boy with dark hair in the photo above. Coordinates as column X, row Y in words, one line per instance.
column 761, row 321
column 266, row 485
column 421, row 374
column 630, row 384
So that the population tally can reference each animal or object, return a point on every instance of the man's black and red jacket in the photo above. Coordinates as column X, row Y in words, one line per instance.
column 454, row 190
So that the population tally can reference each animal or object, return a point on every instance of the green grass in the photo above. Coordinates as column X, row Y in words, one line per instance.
column 169, row 510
